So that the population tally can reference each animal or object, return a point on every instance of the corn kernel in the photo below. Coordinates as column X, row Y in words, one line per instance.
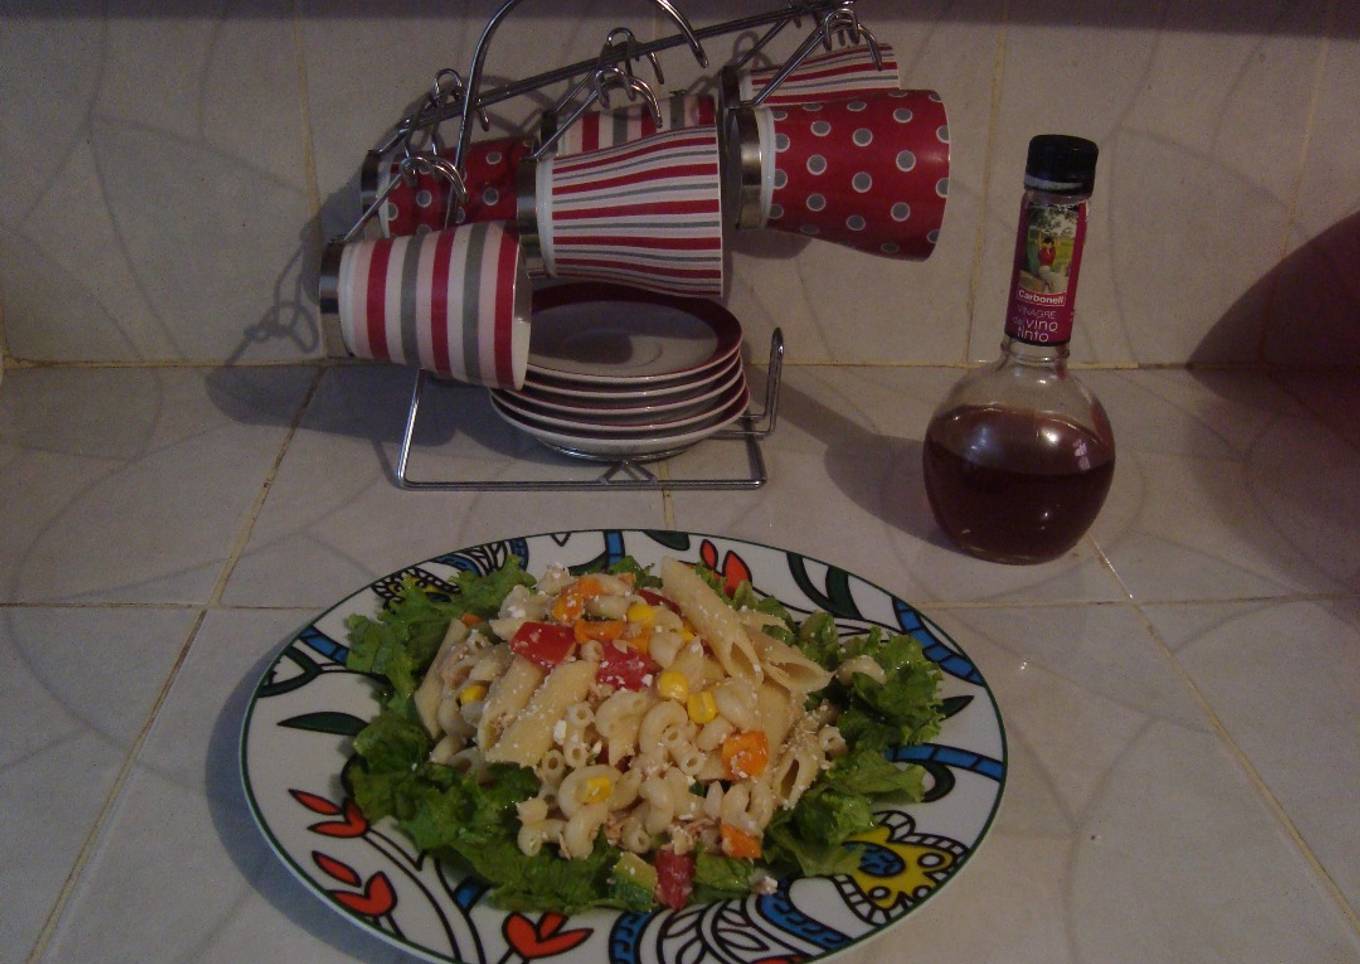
column 472, row 693
column 672, row 685
column 686, row 631
column 703, row 708
column 641, row 613
column 596, row 790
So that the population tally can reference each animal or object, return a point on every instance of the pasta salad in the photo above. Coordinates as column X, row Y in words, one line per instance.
column 625, row 739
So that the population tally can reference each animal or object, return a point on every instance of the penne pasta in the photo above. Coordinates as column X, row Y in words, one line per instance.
column 530, row 735
column 506, row 697
column 787, row 666
column 431, row 688
column 713, row 618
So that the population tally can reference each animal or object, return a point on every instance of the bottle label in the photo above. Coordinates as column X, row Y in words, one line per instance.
column 1044, row 283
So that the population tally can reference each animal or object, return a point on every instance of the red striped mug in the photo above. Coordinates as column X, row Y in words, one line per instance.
column 454, row 302
column 870, row 172
column 594, row 130
column 848, row 72
column 647, row 213
column 422, row 203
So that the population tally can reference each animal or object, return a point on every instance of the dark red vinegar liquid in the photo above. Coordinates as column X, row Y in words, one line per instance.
column 1015, row 486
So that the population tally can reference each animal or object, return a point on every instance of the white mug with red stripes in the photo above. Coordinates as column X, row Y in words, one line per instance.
column 848, row 72
column 647, row 213
column 599, row 129
column 454, row 302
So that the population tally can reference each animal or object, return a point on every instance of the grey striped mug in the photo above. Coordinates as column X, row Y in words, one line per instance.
column 454, row 302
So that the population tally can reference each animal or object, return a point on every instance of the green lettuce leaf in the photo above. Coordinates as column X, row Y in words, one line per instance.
column 716, row 876
column 544, row 880
column 380, row 648
column 868, row 772
column 482, row 595
column 789, row 853
column 746, row 597
column 831, row 816
column 905, row 708
column 402, row 641
column 820, row 641
column 642, row 575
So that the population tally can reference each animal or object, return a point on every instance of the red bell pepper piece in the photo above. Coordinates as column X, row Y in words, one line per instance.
column 674, row 878
column 626, row 668
column 544, row 644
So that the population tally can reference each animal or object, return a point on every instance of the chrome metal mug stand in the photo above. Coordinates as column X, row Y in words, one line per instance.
column 620, row 473
column 612, row 69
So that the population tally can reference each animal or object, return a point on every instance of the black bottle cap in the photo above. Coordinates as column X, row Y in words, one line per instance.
column 1061, row 164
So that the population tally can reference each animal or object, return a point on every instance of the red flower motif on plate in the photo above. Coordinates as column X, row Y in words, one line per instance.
column 314, row 803
column 377, row 899
column 734, row 569
column 544, row 939
column 355, row 824
column 340, row 871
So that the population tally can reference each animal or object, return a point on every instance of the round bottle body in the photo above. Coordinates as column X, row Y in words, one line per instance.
column 1019, row 458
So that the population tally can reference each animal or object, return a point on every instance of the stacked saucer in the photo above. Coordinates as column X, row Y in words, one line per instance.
column 620, row 373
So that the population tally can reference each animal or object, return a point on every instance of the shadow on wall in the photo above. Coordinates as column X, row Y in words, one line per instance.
column 1304, row 312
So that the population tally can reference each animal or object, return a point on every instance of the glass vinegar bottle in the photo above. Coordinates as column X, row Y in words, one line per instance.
column 1019, row 456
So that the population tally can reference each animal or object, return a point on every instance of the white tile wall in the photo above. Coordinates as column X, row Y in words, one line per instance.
column 169, row 175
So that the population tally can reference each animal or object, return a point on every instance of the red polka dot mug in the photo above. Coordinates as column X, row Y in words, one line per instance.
column 422, row 203
column 870, row 173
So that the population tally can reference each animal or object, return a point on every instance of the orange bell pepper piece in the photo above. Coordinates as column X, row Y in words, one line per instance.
column 746, row 754
column 604, row 630
column 738, row 843
column 572, row 602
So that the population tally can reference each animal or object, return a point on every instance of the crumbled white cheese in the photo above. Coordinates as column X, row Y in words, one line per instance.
column 647, row 680
column 764, row 884
column 559, row 732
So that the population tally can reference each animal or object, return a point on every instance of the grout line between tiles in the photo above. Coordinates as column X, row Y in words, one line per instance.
column 87, row 846
column 158, row 363
column 20, row 364
column 110, row 604
column 919, row 602
column 1109, row 566
column 247, row 525
column 667, row 498
column 994, row 111
column 1254, row 777
column 304, row 108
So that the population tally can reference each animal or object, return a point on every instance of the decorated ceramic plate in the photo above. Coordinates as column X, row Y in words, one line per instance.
column 296, row 737
column 610, row 334
column 634, row 410
column 604, row 443
column 591, row 422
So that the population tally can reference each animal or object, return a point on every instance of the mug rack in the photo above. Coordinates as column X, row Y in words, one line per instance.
column 589, row 82
column 625, row 474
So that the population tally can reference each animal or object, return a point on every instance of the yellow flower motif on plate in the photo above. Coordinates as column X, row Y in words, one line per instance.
column 898, row 868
